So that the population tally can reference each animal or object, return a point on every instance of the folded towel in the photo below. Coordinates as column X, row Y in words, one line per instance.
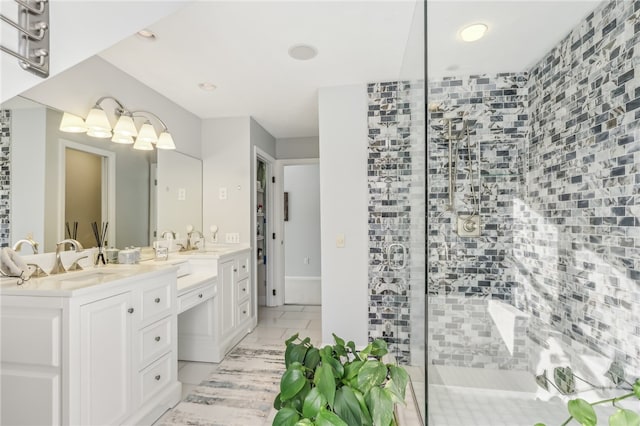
column 12, row 264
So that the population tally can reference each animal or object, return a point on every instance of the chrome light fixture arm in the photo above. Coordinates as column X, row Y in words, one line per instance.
column 142, row 113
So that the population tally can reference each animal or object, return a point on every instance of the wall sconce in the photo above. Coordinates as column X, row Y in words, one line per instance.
column 97, row 125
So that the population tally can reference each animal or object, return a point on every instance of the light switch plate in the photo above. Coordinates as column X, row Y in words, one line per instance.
column 182, row 194
column 340, row 241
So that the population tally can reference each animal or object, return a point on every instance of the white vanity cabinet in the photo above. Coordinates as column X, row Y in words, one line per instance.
column 100, row 356
column 215, row 313
column 235, row 299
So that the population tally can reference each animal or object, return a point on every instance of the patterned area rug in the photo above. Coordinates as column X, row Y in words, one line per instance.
column 240, row 391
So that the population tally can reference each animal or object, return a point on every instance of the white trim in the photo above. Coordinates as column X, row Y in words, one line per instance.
column 271, row 214
column 303, row 290
column 108, row 180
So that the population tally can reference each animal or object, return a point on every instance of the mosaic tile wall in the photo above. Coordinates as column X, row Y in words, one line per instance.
column 5, row 176
column 577, row 245
column 396, row 216
column 465, row 272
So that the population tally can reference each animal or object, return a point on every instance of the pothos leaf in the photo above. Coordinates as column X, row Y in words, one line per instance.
column 329, row 418
column 293, row 380
column 624, row 417
column 583, row 412
column 286, row 417
column 636, row 388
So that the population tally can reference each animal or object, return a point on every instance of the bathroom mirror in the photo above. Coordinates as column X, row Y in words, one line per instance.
column 33, row 152
column 179, row 192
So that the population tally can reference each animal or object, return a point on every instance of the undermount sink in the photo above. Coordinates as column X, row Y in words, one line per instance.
column 86, row 278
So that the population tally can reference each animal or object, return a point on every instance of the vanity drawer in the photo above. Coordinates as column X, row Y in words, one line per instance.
column 154, row 341
column 156, row 303
column 243, row 312
column 154, row 378
column 243, row 265
column 242, row 290
column 195, row 297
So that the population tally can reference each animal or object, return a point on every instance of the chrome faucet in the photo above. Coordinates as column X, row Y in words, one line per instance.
column 58, row 268
column 28, row 241
column 165, row 233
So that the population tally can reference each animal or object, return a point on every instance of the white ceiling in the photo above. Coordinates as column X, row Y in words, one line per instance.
column 241, row 47
column 520, row 33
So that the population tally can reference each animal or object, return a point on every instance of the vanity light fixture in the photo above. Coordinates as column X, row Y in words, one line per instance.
column 125, row 132
column 72, row 124
column 473, row 32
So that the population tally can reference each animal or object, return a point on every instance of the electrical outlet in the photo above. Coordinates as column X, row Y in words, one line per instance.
column 232, row 237
column 223, row 193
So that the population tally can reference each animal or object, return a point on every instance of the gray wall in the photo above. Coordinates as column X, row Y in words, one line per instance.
column 295, row 148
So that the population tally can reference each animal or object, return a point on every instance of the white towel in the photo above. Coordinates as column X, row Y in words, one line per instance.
column 12, row 264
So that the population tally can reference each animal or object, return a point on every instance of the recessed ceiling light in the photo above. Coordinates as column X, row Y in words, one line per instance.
column 303, row 52
column 473, row 32
column 146, row 35
column 209, row 87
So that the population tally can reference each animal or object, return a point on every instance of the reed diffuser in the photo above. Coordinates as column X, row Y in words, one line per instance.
column 100, row 236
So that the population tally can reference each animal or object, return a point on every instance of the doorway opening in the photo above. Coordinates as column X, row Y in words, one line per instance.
column 88, row 193
column 301, row 231
column 263, row 218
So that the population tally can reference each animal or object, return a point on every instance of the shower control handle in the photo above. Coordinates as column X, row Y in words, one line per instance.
column 402, row 264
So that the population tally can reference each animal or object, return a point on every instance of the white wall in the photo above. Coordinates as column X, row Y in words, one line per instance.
column 413, row 58
column 343, row 210
column 28, row 136
column 226, row 164
column 288, row 148
column 302, row 230
column 302, row 235
column 79, row 29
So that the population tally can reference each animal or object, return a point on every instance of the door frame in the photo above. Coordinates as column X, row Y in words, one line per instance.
column 272, row 216
column 108, row 186
column 279, row 269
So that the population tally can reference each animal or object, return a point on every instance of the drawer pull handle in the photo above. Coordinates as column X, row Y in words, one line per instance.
column 157, row 338
column 157, row 377
column 244, row 312
column 200, row 295
column 244, row 289
column 157, row 300
column 235, row 269
column 130, row 310
column 244, row 266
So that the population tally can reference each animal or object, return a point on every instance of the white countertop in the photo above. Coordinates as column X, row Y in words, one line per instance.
column 76, row 283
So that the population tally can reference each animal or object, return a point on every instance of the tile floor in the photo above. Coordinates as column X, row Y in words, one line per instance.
column 275, row 325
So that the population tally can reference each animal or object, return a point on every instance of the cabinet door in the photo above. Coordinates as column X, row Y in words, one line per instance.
column 227, row 297
column 105, row 360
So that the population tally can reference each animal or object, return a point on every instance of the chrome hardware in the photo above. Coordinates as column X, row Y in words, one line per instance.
column 130, row 310
column 157, row 300
column 75, row 266
column 28, row 241
column 468, row 226
column 157, row 338
column 33, row 37
column 200, row 295
column 157, row 377
column 37, row 271
column 397, row 265
column 58, row 268
column 235, row 269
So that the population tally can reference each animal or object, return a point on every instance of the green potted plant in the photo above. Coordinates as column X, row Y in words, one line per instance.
column 338, row 385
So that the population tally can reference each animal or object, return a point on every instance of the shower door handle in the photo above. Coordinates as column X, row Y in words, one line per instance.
column 403, row 263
